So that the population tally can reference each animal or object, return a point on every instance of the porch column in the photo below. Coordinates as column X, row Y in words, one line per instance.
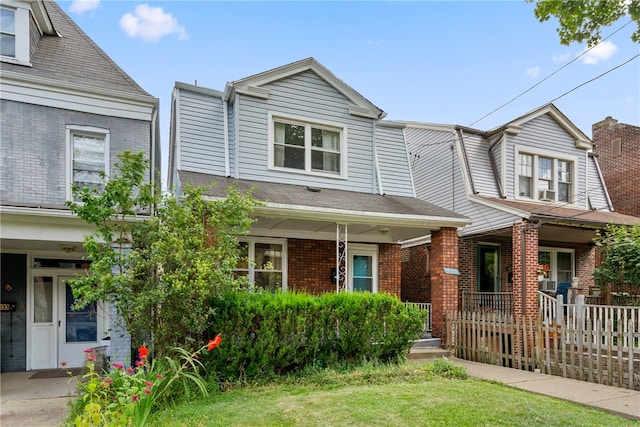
column 525, row 251
column 444, row 286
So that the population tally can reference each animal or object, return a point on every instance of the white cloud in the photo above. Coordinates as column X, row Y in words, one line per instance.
column 562, row 57
column 604, row 50
column 82, row 6
column 533, row 72
column 151, row 23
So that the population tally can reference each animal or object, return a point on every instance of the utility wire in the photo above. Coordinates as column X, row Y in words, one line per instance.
column 595, row 78
column 549, row 76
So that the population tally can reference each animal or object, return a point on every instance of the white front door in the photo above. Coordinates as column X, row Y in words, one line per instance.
column 43, row 325
column 77, row 330
column 363, row 267
column 59, row 334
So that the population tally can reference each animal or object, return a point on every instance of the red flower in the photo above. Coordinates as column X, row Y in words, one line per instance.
column 159, row 376
column 88, row 350
column 148, row 383
column 134, row 397
column 147, row 391
column 130, row 370
column 118, row 365
column 143, row 351
column 214, row 342
column 91, row 357
column 63, row 364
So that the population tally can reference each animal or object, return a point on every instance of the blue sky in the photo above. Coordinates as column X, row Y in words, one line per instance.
column 446, row 62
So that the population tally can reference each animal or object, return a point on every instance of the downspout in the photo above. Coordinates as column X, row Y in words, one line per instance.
column 225, row 130
column 376, row 166
column 153, row 148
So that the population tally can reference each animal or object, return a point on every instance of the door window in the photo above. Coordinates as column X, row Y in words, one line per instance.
column 81, row 325
column 43, row 299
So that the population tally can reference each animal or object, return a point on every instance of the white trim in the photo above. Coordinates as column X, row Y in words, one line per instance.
column 342, row 129
column 74, row 129
column 21, row 35
column 225, row 136
column 356, row 249
column 376, row 165
column 554, row 261
column 75, row 97
column 236, row 136
column 554, row 156
column 251, row 241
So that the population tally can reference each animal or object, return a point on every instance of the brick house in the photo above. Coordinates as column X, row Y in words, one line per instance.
column 617, row 146
column 534, row 193
column 334, row 179
column 66, row 109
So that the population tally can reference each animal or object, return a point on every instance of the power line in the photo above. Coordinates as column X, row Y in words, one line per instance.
column 549, row 76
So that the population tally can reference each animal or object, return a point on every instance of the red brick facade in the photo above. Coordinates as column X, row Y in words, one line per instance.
column 618, row 148
column 444, row 286
column 310, row 263
column 525, row 292
column 416, row 280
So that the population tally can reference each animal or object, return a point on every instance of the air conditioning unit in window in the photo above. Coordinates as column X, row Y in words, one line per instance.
column 549, row 285
column 547, row 195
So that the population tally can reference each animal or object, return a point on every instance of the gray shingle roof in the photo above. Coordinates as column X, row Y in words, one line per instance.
column 299, row 195
column 74, row 58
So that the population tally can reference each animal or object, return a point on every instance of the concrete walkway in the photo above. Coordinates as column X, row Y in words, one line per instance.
column 29, row 402
column 26, row 402
column 619, row 401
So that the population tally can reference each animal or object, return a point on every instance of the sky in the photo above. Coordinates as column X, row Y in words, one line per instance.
column 447, row 62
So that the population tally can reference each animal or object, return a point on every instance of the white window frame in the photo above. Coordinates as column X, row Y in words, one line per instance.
column 308, row 123
column 555, row 157
column 21, row 35
column 251, row 270
column 553, row 267
column 355, row 249
column 72, row 130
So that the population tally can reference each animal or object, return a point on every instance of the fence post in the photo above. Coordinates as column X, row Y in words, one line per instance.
column 559, row 309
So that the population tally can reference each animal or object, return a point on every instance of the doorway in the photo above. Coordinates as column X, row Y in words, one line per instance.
column 58, row 333
column 488, row 268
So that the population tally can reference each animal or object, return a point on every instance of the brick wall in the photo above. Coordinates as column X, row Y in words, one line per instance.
column 33, row 148
column 531, row 261
column 618, row 148
column 444, row 287
column 389, row 268
column 310, row 263
column 416, row 281
column 468, row 256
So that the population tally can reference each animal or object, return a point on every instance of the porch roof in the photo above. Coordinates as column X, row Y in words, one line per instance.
column 403, row 217
column 567, row 215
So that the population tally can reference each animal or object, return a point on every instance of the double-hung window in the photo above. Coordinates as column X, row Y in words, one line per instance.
column 88, row 157
column 306, row 146
column 264, row 263
column 541, row 177
column 7, row 32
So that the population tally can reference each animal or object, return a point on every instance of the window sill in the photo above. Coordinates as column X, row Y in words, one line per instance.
column 311, row 174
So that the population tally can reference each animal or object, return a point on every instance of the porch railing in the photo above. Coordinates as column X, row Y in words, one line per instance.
column 501, row 302
column 423, row 306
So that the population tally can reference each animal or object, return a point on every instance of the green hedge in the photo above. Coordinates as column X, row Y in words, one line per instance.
column 266, row 333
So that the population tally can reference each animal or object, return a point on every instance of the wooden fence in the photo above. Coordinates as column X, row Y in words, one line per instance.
column 599, row 351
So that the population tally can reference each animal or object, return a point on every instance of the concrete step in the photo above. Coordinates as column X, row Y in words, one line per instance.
column 427, row 343
column 425, row 354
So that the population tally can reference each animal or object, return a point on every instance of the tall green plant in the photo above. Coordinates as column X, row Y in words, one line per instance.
column 620, row 251
column 160, row 271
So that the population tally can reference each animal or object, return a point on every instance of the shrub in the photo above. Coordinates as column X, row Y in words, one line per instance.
column 273, row 334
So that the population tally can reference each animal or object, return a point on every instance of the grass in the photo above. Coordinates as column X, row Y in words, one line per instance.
column 405, row 395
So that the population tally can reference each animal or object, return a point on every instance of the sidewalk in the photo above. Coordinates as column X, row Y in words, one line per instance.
column 26, row 402
column 619, row 401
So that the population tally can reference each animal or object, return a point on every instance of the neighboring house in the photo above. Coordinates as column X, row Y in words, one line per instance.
column 617, row 146
column 535, row 196
column 335, row 181
column 66, row 110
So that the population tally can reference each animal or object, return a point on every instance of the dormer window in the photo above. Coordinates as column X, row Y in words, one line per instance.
column 545, row 178
column 8, row 32
column 308, row 146
column 14, row 35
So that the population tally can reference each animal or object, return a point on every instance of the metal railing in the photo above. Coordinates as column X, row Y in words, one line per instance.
column 501, row 302
column 423, row 306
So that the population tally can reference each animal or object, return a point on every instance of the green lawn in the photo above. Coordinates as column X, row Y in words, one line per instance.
column 407, row 395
